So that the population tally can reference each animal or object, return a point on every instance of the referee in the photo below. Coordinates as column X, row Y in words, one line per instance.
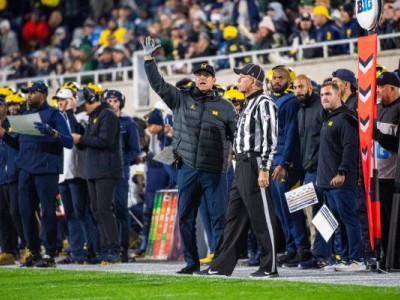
column 250, row 202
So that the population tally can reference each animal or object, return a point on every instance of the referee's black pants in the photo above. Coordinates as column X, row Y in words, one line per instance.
column 248, row 205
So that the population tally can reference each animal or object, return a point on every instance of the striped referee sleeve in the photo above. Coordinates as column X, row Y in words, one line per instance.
column 268, row 113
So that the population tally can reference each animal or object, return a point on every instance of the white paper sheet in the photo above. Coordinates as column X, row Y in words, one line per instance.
column 24, row 123
column 301, row 197
column 166, row 156
column 325, row 222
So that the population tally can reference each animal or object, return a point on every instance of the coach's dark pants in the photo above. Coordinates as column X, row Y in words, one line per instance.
column 192, row 185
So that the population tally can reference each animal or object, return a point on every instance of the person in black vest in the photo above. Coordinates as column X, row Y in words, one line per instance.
column 103, row 169
column 40, row 158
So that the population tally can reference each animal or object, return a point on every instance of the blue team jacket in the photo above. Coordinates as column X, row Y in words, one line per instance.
column 42, row 154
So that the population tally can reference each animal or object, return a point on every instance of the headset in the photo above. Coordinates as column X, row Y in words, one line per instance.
column 89, row 95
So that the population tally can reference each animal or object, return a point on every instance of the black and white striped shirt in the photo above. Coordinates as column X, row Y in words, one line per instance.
column 257, row 128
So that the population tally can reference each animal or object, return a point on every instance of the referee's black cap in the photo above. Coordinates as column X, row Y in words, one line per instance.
column 252, row 70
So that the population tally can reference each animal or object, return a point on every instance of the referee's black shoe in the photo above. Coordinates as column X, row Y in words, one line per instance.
column 264, row 274
column 189, row 270
column 208, row 272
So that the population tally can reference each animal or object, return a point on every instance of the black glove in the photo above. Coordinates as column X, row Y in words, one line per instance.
column 44, row 128
column 150, row 46
column 376, row 134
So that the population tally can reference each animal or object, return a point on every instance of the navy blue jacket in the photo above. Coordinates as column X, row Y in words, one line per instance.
column 338, row 150
column 288, row 149
column 8, row 165
column 102, row 143
column 129, row 142
column 329, row 32
column 42, row 154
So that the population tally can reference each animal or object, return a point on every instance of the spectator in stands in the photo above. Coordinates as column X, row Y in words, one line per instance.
column 40, row 63
column 166, row 26
column 386, row 26
column 59, row 40
column 233, row 42
column 21, row 68
column 203, row 47
column 278, row 16
column 8, row 39
column 126, row 17
column 113, row 30
column 303, row 35
column 121, row 60
column 396, row 22
column 91, row 33
column 245, row 13
column 85, row 54
column 105, row 58
column 100, row 6
column 326, row 30
column 351, row 28
column 267, row 37
column 35, row 31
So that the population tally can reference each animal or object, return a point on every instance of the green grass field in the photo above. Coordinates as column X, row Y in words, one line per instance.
column 58, row 284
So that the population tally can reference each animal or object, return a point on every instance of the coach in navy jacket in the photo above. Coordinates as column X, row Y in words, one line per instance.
column 40, row 158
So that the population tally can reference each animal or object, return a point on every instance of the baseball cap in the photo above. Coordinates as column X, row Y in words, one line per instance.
column 252, row 70
column 204, row 67
column 114, row 94
column 64, row 94
column 388, row 78
column 346, row 75
column 36, row 86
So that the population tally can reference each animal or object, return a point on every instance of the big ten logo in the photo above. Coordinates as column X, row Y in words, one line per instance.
column 382, row 153
column 364, row 5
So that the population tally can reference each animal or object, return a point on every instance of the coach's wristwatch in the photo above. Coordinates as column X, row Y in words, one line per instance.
column 264, row 169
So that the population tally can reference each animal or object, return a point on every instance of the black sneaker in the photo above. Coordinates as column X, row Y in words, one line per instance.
column 92, row 260
column 264, row 274
column 46, row 262
column 189, row 270
column 31, row 260
column 301, row 256
column 208, row 272
column 124, row 257
column 285, row 258
column 314, row 263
